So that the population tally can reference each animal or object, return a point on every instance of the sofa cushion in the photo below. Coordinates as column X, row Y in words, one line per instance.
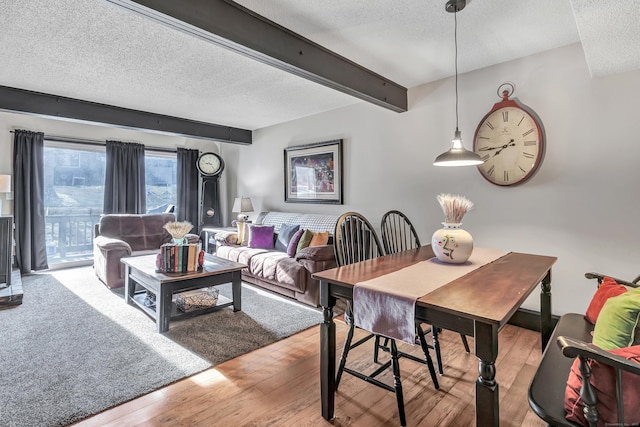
column 615, row 327
column 284, row 236
column 291, row 274
column 293, row 243
column 261, row 236
column 603, row 381
column 108, row 243
column 243, row 231
column 319, row 238
column 305, row 240
column 268, row 265
column 226, row 238
column 140, row 231
column 241, row 254
column 277, row 266
column 609, row 288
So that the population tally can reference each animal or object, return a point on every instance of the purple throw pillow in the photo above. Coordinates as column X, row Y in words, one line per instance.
column 261, row 236
column 293, row 243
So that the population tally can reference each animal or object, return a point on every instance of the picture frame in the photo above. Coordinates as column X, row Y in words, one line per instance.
column 313, row 173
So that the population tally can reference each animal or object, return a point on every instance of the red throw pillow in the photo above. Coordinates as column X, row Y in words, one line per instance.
column 603, row 380
column 609, row 288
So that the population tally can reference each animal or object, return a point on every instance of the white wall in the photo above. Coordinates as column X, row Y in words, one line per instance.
column 582, row 206
column 11, row 121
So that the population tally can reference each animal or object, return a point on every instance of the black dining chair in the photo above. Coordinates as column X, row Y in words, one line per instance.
column 355, row 240
column 399, row 234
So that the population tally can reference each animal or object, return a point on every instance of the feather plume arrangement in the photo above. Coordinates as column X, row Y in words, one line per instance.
column 178, row 229
column 454, row 207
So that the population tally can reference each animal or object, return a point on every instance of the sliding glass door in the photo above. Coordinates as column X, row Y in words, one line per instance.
column 74, row 194
column 73, row 197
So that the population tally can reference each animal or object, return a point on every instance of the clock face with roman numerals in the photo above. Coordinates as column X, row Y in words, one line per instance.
column 511, row 142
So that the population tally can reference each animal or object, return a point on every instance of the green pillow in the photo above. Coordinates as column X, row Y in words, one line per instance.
column 305, row 240
column 617, row 321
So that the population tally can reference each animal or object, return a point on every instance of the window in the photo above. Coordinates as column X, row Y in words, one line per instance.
column 160, row 175
column 74, row 195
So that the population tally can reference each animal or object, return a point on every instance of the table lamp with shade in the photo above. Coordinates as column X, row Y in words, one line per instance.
column 242, row 205
column 5, row 187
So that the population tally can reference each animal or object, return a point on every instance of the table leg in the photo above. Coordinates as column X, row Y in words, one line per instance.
column 204, row 236
column 163, row 308
column 487, row 395
column 546, row 326
column 129, row 286
column 236, row 289
column 327, row 353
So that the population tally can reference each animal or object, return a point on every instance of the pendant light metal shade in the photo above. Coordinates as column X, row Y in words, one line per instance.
column 457, row 155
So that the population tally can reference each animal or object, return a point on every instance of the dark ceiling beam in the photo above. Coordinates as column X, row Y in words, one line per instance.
column 232, row 26
column 53, row 106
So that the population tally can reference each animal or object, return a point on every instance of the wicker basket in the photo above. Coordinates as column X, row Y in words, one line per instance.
column 197, row 299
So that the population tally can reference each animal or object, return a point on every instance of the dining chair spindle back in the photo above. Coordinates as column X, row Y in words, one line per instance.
column 355, row 240
column 399, row 234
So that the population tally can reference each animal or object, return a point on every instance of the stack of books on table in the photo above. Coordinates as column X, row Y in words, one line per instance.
column 174, row 258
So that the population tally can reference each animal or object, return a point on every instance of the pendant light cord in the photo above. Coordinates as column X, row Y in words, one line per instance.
column 455, row 38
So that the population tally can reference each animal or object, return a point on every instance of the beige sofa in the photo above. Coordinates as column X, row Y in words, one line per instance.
column 275, row 270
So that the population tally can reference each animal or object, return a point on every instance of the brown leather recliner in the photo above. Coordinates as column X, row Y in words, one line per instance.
column 120, row 235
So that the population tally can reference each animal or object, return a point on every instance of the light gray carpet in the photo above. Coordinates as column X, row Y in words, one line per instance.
column 74, row 348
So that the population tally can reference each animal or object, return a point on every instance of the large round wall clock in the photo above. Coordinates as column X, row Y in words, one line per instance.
column 510, row 139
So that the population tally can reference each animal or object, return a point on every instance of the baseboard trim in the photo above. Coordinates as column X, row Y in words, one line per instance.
column 529, row 319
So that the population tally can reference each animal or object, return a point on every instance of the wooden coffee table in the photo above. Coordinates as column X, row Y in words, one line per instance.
column 141, row 271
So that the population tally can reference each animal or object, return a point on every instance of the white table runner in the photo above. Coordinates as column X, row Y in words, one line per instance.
column 386, row 305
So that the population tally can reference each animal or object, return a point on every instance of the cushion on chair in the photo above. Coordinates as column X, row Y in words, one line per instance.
column 603, row 381
column 617, row 321
column 140, row 231
column 293, row 243
column 261, row 236
column 609, row 288
column 284, row 236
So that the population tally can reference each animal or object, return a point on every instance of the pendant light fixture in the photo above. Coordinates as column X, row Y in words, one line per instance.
column 457, row 155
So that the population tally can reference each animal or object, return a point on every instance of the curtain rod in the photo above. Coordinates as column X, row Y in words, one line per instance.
column 96, row 142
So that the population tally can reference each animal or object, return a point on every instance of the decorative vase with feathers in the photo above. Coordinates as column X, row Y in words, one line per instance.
column 451, row 244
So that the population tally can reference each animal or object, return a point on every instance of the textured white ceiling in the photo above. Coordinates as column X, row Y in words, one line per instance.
column 610, row 34
column 95, row 51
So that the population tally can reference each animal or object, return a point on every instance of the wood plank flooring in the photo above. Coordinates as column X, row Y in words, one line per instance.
column 278, row 385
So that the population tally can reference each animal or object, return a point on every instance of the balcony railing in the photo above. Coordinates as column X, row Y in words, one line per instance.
column 69, row 233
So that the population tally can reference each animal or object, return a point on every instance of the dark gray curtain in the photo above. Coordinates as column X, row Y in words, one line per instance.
column 187, row 185
column 28, row 175
column 124, row 185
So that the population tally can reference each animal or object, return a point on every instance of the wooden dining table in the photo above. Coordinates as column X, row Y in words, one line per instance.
column 477, row 304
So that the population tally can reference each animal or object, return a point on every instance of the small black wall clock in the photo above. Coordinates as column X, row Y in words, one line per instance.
column 210, row 166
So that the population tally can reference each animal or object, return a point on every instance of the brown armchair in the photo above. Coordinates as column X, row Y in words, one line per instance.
column 120, row 235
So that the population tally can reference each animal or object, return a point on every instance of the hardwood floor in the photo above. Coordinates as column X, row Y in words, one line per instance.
column 278, row 385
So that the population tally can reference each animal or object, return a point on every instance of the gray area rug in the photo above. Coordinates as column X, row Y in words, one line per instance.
column 74, row 348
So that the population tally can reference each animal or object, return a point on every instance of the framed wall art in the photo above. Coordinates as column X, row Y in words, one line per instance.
column 313, row 173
